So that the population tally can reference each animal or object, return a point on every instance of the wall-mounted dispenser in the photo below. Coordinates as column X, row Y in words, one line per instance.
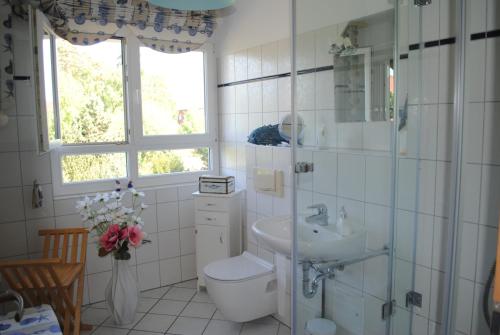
column 268, row 181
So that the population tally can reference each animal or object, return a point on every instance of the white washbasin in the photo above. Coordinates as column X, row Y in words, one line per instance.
column 315, row 242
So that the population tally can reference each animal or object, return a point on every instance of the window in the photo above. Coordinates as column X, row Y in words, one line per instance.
column 120, row 110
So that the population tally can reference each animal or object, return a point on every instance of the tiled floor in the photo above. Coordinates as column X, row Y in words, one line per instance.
column 178, row 309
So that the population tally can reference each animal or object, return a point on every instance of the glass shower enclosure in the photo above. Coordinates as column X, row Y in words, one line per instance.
column 376, row 228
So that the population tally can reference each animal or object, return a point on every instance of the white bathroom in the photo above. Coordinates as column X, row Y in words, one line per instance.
column 226, row 167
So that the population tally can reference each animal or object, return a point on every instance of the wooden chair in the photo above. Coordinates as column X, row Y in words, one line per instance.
column 52, row 279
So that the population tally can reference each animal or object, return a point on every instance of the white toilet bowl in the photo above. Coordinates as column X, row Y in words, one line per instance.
column 243, row 288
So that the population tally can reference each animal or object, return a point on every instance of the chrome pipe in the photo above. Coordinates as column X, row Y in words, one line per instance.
column 340, row 264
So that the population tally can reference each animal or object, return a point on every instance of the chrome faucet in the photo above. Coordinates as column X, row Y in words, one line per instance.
column 321, row 217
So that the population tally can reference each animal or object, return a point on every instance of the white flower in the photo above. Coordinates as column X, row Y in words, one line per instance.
column 83, row 204
column 144, row 206
column 138, row 220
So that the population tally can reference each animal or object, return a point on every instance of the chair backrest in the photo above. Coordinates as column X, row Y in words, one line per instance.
column 57, row 244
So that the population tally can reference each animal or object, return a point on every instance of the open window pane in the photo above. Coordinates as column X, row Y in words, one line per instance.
column 92, row 167
column 158, row 162
column 173, row 93
column 90, row 90
column 48, row 71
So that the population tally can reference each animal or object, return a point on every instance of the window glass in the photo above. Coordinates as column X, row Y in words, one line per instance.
column 173, row 93
column 90, row 90
column 49, row 85
column 160, row 162
column 92, row 167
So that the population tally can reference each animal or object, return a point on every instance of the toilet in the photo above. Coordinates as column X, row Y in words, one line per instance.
column 243, row 288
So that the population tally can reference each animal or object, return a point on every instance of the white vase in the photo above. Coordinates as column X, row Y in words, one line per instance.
column 122, row 294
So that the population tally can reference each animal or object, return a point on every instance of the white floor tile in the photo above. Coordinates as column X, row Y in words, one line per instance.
column 253, row 328
column 145, row 304
column 155, row 293
column 199, row 310
column 110, row 331
column 188, row 326
column 155, row 323
column 220, row 327
column 187, row 284
column 109, row 322
column 202, row 296
column 179, row 293
column 94, row 316
column 168, row 307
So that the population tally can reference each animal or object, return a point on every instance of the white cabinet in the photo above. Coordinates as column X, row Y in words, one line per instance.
column 218, row 228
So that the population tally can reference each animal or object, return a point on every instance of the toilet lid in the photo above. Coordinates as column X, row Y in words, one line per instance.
column 246, row 266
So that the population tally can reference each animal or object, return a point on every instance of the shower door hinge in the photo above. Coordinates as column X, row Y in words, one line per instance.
column 413, row 299
column 304, row 167
column 388, row 309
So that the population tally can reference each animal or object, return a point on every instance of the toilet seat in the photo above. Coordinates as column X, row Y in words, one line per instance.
column 239, row 268
column 243, row 288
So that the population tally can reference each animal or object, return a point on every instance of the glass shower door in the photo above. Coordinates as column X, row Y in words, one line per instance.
column 345, row 115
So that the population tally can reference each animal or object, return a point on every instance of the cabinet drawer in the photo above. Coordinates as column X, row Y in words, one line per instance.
column 211, row 204
column 212, row 218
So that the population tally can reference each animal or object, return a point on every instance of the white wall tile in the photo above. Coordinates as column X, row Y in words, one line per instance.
column 11, row 204
column 11, row 174
column 378, row 180
column 188, row 267
column 166, row 194
column 169, row 244
column 475, row 70
column 351, row 176
column 254, row 62
column 491, row 137
column 443, row 182
column 241, row 99
column 284, row 56
column 306, row 51
column 240, row 65
column 186, row 213
column 445, row 132
column 97, row 284
column 13, row 239
column 35, row 166
column 270, row 59
column 473, row 125
column 94, row 263
column 242, row 130
column 377, row 222
column 430, row 74
column 148, row 252
column 227, row 100
column 324, row 38
column 468, row 250
column 471, row 190
column 324, row 90
column 170, row 271
column 35, row 242
column 492, row 69
column 485, row 252
column 186, row 191
column 9, row 136
column 463, row 318
column 325, row 172
column 270, row 96
column 255, row 97
column 446, row 72
column 284, row 94
column 148, row 275
column 227, row 69
column 187, row 238
column 305, row 92
column 377, row 136
column 490, row 196
column 350, row 135
column 167, row 216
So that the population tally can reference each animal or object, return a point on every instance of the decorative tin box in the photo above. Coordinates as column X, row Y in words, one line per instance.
column 216, row 184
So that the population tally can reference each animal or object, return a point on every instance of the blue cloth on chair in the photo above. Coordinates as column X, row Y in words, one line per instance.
column 39, row 320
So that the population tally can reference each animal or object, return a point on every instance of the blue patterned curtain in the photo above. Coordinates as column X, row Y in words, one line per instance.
column 86, row 22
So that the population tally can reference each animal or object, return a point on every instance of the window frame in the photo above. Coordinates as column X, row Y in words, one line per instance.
column 136, row 141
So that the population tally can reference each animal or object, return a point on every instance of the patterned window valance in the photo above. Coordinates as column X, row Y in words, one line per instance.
column 86, row 22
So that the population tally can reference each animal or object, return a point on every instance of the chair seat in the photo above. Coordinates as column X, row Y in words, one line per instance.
column 66, row 273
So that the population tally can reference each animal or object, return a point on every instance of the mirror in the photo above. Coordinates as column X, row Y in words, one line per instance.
column 363, row 70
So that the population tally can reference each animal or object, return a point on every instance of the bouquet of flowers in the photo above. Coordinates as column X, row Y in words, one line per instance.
column 117, row 226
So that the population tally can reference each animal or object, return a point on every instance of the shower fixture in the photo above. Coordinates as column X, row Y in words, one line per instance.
column 422, row 3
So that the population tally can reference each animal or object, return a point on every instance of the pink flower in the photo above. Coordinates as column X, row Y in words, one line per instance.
column 135, row 235
column 110, row 238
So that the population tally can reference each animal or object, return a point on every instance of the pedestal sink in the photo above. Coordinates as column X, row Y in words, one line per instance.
column 315, row 242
